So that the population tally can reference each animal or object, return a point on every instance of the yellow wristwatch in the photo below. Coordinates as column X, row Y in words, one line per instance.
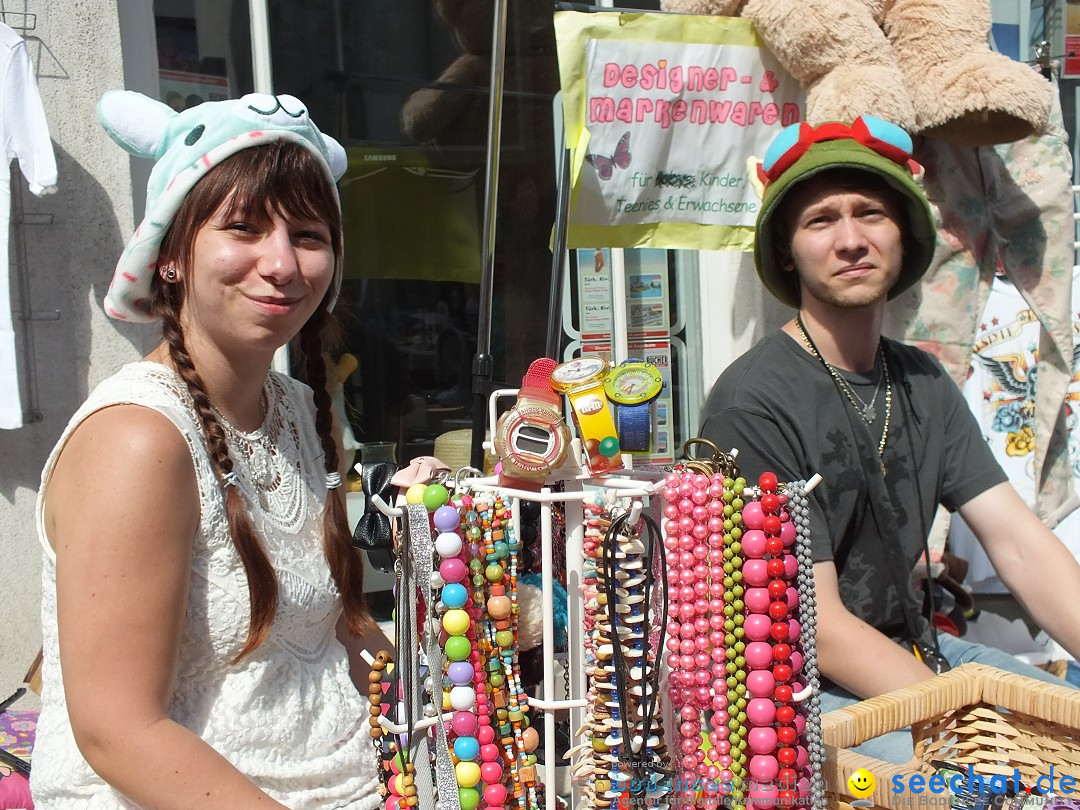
column 582, row 381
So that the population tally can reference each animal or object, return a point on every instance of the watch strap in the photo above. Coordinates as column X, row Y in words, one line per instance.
column 634, row 423
column 537, row 380
column 514, row 482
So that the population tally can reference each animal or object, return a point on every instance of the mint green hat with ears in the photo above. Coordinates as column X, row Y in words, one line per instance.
column 185, row 147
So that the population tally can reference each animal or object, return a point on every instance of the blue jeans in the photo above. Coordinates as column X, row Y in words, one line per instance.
column 896, row 746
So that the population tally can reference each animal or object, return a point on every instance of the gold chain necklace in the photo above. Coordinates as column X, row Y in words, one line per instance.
column 848, row 392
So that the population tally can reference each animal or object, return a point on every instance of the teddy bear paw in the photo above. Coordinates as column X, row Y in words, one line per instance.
column 980, row 99
column 852, row 90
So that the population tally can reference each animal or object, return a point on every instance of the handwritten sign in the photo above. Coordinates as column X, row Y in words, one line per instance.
column 663, row 113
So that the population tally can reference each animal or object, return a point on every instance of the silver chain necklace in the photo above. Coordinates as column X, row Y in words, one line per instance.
column 865, row 409
column 852, row 397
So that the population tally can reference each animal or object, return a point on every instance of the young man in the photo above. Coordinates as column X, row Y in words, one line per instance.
column 843, row 228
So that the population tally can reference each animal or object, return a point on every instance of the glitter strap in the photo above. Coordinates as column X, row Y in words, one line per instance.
column 422, row 549
column 415, row 743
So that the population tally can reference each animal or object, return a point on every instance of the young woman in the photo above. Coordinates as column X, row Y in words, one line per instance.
column 202, row 602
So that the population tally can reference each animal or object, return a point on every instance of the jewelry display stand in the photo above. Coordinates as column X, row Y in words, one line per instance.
column 628, row 494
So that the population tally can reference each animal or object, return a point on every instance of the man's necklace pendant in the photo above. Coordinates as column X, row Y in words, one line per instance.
column 869, row 413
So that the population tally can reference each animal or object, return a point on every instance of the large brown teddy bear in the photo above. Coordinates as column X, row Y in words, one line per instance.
column 923, row 64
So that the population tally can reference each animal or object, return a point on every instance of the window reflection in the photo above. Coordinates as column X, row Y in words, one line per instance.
column 404, row 86
column 204, row 51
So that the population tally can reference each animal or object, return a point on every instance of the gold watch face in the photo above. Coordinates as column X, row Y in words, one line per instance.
column 633, row 383
column 576, row 372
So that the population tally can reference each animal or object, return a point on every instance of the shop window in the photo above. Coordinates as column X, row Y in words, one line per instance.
column 204, row 50
column 404, row 86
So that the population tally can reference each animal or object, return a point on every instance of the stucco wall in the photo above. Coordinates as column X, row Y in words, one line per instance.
column 77, row 47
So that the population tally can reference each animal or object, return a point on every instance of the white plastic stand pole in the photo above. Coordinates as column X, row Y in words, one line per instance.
column 575, row 554
column 547, row 565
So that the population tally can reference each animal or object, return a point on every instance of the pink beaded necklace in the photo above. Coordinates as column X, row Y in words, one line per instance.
column 733, row 638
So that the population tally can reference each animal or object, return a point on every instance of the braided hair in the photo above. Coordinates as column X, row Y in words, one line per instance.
column 279, row 176
column 344, row 560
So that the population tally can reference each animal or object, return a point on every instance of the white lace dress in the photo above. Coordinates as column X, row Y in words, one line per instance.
column 288, row 715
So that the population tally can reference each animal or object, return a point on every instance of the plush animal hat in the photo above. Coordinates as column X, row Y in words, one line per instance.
column 869, row 145
column 185, row 147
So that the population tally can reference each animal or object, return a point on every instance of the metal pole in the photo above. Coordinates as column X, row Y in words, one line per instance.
column 262, row 81
column 482, row 361
column 261, row 68
column 619, row 348
column 619, row 319
column 558, row 255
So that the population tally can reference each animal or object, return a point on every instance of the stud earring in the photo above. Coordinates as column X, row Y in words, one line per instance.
column 170, row 274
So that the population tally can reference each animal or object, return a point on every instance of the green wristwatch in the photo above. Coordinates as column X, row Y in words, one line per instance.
column 633, row 386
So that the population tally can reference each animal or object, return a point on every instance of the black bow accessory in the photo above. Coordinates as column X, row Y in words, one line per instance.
column 374, row 532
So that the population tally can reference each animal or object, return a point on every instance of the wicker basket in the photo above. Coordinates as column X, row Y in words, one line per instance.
column 994, row 720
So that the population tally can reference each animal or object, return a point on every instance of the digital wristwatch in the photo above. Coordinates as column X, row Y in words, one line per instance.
column 531, row 438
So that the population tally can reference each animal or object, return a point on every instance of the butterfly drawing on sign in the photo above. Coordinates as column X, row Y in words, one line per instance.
column 605, row 165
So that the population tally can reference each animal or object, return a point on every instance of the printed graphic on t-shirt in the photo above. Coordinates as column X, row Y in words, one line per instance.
column 1001, row 390
column 1005, row 369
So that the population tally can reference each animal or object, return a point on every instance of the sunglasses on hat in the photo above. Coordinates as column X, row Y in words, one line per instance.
column 883, row 137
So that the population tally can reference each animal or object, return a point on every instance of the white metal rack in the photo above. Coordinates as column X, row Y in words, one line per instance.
column 631, row 488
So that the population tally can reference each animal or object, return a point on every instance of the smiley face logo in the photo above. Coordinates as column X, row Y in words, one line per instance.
column 861, row 783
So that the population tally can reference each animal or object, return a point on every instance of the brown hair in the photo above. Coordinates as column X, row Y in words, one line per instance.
column 283, row 177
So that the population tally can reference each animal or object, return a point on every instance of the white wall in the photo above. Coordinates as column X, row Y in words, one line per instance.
column 736, row 310
column 77, row 47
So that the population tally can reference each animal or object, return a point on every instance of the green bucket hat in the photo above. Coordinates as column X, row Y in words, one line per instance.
column 869, row 144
